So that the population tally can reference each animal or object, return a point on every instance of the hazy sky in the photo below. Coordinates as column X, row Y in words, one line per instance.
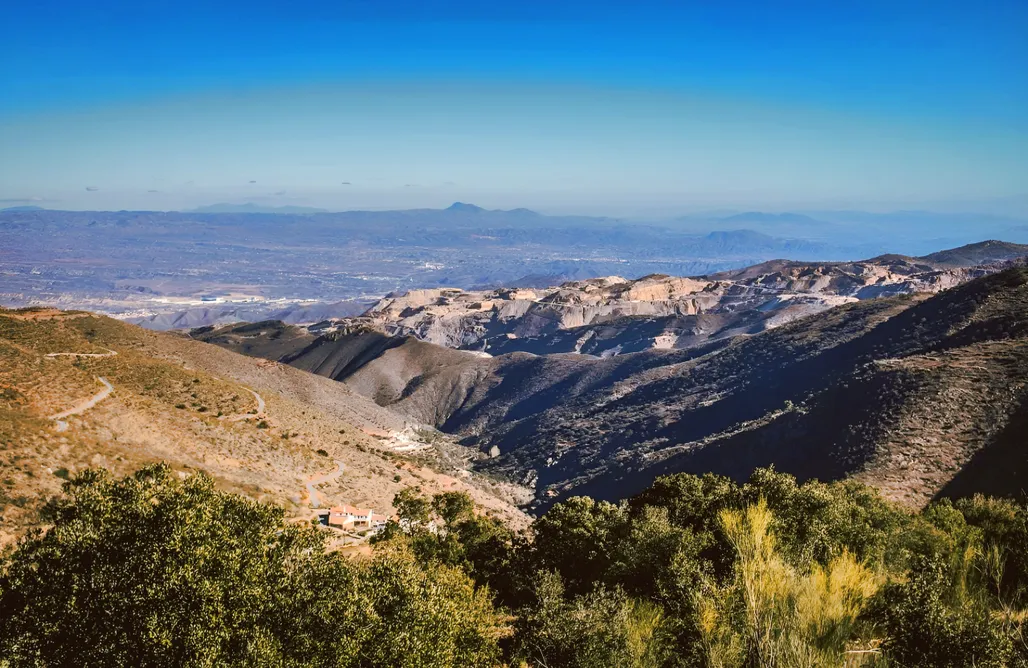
column 620, row 106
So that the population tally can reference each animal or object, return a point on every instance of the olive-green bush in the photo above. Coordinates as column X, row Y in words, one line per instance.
column 154, row 570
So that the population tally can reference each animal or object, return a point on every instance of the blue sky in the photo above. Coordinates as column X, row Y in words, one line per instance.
column 593, row 107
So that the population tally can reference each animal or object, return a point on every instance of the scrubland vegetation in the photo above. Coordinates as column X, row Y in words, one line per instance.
column 695, row 571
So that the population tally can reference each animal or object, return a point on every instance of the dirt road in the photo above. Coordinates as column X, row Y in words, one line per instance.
column 84, row 406
column 109, row 353
column 318, row 480
column 260, row 402
column 245, row 416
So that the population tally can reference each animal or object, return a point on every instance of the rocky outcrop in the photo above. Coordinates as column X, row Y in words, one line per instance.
column 612, row 315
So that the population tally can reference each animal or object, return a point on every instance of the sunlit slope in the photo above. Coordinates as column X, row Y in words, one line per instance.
column 259, row 428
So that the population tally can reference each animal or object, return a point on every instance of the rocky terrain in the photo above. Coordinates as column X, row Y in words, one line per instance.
column 920, row 390
column 79, row 390
column 612, row 315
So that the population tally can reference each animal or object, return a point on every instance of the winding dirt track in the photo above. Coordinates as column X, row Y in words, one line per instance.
column 109, row 353
column 317, row 480
column 260, row 402
column 244, row 416
column 84, row 406
column 108, row 388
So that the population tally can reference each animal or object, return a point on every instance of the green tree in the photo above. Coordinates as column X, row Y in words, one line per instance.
column 924, row 626
column 818, row 521
column 453, row 507
column 148, row 571
column 152, row 570
column 578, row 539
column 601, row 629
column 393, row 611
column 412, row 508
column 1004, row 528
column 483, row 547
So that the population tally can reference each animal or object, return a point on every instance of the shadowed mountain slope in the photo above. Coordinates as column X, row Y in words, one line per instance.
column 920, row 395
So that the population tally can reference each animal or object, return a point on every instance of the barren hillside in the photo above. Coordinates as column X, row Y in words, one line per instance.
column 258, row 427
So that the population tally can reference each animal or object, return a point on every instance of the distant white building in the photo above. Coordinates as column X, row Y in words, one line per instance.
column 352, row 517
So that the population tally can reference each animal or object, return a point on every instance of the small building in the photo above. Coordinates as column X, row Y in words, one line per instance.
column 351, row 517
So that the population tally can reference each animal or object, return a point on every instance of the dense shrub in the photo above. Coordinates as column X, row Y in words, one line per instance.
column 773, row 614
column 601, row 629
column 926, row 624
column 154, row 571
column 767, row 573
column 695, row 571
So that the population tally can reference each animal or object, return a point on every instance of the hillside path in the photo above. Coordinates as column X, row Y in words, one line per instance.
column 244, row 416
column 109, row 353
column 318, row 480
column 84, row 406
column 260, row 402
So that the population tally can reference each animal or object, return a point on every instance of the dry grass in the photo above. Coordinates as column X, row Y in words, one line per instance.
column 169, row 403
column 777, row 615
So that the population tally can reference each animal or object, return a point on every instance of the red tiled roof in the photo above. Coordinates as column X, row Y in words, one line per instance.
column 350, row 510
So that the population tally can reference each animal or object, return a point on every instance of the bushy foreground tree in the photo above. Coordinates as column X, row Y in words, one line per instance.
column 697, row 571
column 601, row 629
column 156, row 571
column 701, row 571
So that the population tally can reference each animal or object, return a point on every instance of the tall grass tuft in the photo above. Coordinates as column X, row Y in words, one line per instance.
column 772, row 614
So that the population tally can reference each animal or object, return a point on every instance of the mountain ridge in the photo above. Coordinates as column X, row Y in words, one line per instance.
column 573, row 423
column 613, row 315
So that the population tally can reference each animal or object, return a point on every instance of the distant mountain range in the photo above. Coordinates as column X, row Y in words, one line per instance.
column 131, row 262
column 915, row 232
column 250, row 207
column 141, row 264
column 770, row 218
column 844, row 233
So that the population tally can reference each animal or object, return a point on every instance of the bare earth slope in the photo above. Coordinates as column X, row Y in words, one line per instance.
column 256, row 426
